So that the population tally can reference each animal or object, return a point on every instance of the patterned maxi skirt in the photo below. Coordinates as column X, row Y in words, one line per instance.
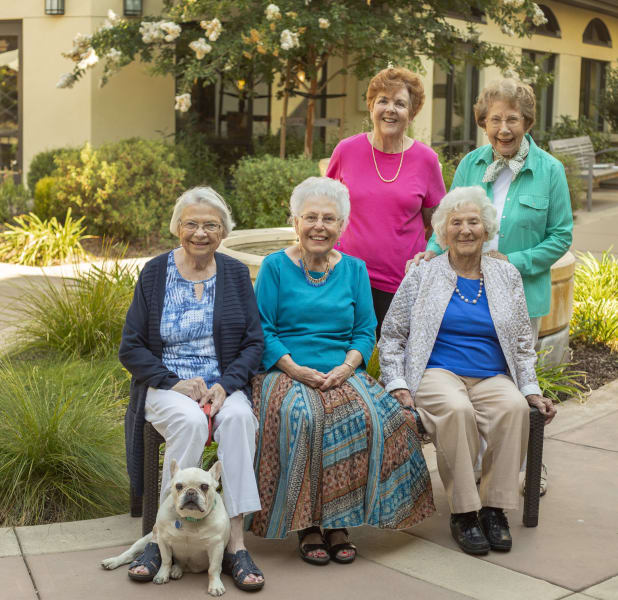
column 343, row 458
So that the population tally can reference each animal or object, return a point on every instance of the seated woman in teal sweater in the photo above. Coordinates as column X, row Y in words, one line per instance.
column 334, row 449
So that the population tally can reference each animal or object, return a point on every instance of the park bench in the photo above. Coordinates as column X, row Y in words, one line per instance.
column 582, row 150
column 146, row 506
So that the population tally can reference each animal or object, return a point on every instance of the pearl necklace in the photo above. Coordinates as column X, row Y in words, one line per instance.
column 467, row 300
column 375, row 164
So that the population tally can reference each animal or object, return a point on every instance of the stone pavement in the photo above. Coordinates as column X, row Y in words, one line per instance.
column 573, row 553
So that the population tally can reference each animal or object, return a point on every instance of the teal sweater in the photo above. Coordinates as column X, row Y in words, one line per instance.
column 537, row 224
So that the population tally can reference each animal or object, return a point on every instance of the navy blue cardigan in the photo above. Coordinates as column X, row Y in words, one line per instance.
column 237, row 333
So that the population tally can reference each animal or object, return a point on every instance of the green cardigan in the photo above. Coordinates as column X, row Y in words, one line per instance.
column 536, row 228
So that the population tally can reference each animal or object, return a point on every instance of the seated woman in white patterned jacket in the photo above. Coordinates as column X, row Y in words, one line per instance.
column 457, row 344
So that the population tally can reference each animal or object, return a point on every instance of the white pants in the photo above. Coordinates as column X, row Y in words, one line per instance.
column 184, row 426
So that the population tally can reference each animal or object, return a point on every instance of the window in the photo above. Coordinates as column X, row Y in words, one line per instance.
column 551, row 28
column 597, row 33
column 10, row 101
column 592, row 84
column 544, row 95
column 454, row 94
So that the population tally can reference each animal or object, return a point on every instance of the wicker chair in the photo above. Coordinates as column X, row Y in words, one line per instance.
column 147, row 506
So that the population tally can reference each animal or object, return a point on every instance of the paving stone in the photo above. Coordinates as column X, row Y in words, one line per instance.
column 607, row 590
column 599, row 434
column 8, row 543
column 16, row 583
column 575, row 545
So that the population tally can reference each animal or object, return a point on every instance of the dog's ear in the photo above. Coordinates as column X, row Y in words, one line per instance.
column 173, row 467
column 215, row 470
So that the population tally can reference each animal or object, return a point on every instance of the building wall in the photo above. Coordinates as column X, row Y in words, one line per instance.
column 133, row 103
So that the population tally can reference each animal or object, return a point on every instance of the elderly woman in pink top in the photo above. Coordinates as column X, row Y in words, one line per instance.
column 395, row 184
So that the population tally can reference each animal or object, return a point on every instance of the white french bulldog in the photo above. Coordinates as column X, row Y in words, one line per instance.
column 192, row 529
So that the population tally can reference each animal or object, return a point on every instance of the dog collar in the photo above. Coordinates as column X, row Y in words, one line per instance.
column 178, row 524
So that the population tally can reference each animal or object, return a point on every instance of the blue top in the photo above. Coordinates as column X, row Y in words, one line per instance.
column 467, row 343
column 187, row 327
column 317, row 326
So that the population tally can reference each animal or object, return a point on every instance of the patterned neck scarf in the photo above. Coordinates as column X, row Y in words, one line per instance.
column 516, row 163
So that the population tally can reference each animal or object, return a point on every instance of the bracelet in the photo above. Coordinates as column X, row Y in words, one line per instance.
column 350, row 365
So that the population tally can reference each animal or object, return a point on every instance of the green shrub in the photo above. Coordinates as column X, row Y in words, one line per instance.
column 262, row 188
column 199, row 162
column 124, row 190
column 568, row 127
column 560, row 382
column 61, row 441
column 46, row 204
column 449, row 166
column 595, row 300
column 44, row 164
column 39, row 243
column 81, row 317
column 14, row 199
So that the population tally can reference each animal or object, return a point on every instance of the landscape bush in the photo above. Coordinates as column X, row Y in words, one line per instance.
column 14, row 199
column 262, row 187
column 44, row 164
column 81, row 317
column 595, row 300
column 33, row 242
column 46, row 204
column 199, row 162
column 61, row 440
column 125, row 189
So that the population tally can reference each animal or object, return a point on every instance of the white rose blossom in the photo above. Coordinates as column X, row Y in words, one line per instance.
column 171, row 29
column 213, row 29
column 507, row 30
column 113, row 55
column 200, row 47
column 538, row 18
column 150, row 31
column 324, row 23
column 513, row 3
column 289, row 40
column 183, row 102
column 67, row 80
column 89, row 59
column 272, row 12
column 112, row 20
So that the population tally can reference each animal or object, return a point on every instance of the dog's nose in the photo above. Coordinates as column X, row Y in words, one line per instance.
column 191, row 492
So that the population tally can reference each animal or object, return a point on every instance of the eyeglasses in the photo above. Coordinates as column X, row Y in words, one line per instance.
column 193, row 226
column 511, row 121
column 327, row 221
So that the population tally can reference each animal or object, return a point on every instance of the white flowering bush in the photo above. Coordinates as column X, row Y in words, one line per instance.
column 251, row 41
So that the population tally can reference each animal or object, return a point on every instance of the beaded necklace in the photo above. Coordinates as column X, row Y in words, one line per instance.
column 467, row 300
column 315, row 281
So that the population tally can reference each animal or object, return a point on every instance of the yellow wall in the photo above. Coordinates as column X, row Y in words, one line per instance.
column 133, row 103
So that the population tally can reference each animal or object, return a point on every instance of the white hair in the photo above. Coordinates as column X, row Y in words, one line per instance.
column 454, row 201
column 202, row 195
column 314, row 187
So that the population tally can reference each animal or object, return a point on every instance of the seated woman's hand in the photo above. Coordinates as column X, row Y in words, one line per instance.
column 195, row 388
column 336, row 376
column 404, row 397
column 545, row 405
column 216, row 396
column 308, row 376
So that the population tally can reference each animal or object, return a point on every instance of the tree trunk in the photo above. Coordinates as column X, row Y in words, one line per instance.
column 313, row 88
column 284, row 116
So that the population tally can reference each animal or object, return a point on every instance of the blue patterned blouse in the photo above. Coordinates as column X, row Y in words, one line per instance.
column 186, row 327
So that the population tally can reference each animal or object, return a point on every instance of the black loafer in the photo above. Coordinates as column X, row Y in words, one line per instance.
column 467, row 532
column 496, row 528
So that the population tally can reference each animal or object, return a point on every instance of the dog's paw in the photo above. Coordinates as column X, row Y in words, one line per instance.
column 216, row 587
column 176, row 572
column 110, row 563
column 161, row 578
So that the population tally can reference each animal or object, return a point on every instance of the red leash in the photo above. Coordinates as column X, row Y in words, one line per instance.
column 206, row 408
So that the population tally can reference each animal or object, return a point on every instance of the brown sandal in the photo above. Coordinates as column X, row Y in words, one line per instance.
column 304, row 549
column 334, row 550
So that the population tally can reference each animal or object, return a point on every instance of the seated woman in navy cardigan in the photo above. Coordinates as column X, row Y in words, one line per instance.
column 193, row 336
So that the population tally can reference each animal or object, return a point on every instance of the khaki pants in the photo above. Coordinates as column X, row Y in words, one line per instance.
column 457, row 410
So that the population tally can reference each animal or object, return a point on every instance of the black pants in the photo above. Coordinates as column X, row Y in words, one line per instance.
column 381, row 302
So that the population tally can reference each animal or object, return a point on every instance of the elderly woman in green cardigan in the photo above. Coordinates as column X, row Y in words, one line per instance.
column 527, row 186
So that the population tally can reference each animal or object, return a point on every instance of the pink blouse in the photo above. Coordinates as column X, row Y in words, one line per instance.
column 386, row 225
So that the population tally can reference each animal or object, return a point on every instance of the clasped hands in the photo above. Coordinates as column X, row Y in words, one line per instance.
column 322, row 381
column 197, row 390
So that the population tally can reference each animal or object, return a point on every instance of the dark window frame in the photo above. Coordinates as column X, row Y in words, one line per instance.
column 552, row 21
column 600, row 27
column 585, row 89
column 533, row 55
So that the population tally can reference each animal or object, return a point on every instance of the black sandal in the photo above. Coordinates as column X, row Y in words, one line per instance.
column 151, row 559
column 333, row 550
column 304, row 549
column 239, row 566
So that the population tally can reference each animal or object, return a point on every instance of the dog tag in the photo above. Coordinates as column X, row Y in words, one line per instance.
column 178, row 524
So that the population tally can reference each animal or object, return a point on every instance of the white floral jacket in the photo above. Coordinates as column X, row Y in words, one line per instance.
column 411, row 325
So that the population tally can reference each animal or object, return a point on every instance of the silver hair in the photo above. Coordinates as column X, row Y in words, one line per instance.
column 202, row 195
column 313, row 187
column 454, row 201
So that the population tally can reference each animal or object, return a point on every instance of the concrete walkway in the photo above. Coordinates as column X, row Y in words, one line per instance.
column 573, row 553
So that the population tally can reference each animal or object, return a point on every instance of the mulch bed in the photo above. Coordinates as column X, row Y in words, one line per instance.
column 598, row 362
column 97, row 248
